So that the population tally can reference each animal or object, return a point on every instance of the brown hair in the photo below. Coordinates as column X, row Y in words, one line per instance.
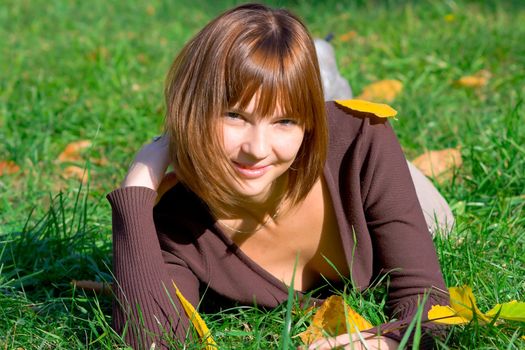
column 248, row 50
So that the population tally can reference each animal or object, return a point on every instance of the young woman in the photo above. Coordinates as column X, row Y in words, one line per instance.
column 271, row 185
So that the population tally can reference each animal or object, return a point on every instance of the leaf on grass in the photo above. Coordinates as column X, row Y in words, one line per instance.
column 196, row 320
column 329, row 320
column 97, row 287
column 464, row 302
column 383, row 90
column 150, row 10
column 439, row 164
column 513, row 311
column 8, row 167
column 75, row 172
column 73, row 150
column 380, row 110
column 450, row 17
column 347, row 36
column 477, row 80
column 445, row 315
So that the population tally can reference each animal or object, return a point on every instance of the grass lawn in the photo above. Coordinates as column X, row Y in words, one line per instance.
column 94, row 70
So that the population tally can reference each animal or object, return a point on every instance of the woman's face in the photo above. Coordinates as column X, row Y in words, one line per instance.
column 259, row 150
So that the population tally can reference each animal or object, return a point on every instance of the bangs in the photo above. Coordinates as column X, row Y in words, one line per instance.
column 274, row 73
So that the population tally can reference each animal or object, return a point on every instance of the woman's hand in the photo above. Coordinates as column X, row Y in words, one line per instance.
column 352, row 341
column 149, row 166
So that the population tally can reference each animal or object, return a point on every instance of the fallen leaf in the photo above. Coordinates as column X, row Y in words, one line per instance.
column 463, row 309
column 477, row 80
column 463, row 302
column 97, row 287
column 513, row 310
column 75, row 172
column 450, row 18
column 330, row 320
column 439, row 164
column 378, row 109
column 150, row 10
column 445, row 315
column 383, row 90
column 72, row 151
column 347, row 36
column 8, row 167
column 196, row 320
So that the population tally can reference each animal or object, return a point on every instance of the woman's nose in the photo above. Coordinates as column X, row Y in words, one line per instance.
column 256, row 143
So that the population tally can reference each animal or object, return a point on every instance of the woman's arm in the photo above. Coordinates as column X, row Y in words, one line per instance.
column 403, row 248
column 145, row 306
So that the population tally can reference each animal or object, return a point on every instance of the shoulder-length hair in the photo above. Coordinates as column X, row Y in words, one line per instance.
column 248, row 50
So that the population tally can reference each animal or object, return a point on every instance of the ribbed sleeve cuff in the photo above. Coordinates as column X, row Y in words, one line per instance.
column 132, row 199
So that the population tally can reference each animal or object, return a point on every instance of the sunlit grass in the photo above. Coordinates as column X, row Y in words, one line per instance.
column 95, row 70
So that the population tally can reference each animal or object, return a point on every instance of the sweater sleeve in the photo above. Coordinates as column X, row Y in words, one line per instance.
column 145, row 309
column 402, row 245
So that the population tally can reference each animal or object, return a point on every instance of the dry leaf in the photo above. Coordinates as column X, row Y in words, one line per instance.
column 347, row 36
column 463, row 309
column 450, row 18
column 8, row 167
column 150, row 10
column 445, row 315
column 97, row 287
column 463, row 302
column 477, row 80
column 196, row 320
column 378, row 109
column 329, row 320
column 383, row 90
column 439, row 164
column 513, row 310
column 72, row 151
column 75, row 172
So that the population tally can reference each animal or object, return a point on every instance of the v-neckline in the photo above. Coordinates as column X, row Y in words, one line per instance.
column 342, row 226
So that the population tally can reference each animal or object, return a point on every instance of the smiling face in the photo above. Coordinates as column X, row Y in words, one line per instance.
column 260, row 150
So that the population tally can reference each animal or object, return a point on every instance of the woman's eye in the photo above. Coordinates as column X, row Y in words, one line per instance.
column 287, row 122
column 233, row 115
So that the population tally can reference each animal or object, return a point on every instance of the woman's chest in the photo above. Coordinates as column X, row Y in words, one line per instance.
column 303, row 246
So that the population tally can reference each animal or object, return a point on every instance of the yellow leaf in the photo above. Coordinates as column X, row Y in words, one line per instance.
column 445, row 315
column 450, row 17
column 463, row 302
column 347, row 36
column 383, row 90
column 329, row 320
column 378, row 109
column 196, row 320
column 439, row 164
column 513, row 310
column 477, row 80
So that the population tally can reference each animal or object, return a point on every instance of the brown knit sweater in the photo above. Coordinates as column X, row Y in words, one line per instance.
column 380, row 221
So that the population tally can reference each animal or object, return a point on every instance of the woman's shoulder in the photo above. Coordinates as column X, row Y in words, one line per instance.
column 351, row 122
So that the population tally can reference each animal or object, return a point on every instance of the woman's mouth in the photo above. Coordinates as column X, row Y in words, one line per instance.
column 251, row 171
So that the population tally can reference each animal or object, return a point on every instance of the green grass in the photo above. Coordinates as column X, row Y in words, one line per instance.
column 95, row 70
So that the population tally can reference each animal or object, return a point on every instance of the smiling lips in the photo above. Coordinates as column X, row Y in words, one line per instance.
column 251, row 172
